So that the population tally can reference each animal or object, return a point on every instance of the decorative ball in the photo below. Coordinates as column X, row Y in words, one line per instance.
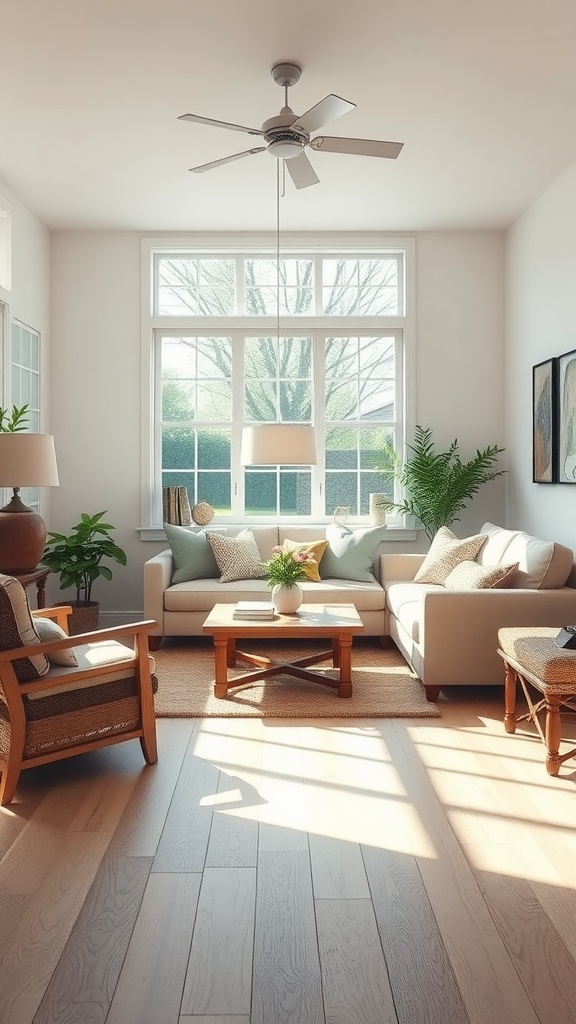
column 202, row 513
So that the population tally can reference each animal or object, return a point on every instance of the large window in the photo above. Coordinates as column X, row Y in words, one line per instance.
column 242, row 339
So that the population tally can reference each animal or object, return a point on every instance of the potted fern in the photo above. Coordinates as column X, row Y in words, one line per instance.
column 78, row 559
column 438, row 485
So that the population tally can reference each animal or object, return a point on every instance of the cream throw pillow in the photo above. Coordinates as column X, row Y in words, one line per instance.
column 238, row 558
column 446, row 552
column 471, row 576
column 315, row 548
column 48, row 630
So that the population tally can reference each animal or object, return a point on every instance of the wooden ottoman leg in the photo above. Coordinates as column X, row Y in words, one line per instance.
column 553, row 761
column 510, row 683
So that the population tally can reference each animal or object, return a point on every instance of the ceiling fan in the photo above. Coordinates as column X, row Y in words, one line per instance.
column 287, row 135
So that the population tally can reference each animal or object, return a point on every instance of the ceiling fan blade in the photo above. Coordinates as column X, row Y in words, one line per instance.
column 326, row 110
column 301, row 171
column 357, row 147
column 226, row 160
column 219, row 124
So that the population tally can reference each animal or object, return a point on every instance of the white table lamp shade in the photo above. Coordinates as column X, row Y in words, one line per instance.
column 28, row 460
column 278, row 444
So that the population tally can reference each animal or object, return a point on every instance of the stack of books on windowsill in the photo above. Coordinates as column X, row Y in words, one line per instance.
column 259, row 610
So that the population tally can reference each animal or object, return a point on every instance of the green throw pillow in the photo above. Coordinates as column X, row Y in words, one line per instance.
column 192, row 555
column 350, row 553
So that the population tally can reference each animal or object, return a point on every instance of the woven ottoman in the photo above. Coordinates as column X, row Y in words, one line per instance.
column 532, row 658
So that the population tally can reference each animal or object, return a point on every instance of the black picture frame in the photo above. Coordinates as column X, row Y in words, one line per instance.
column 545, row 422
column 566, row 417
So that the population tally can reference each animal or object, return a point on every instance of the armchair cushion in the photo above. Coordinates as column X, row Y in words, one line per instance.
column 17, row 629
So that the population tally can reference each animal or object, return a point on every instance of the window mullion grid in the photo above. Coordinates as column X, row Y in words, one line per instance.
column 239, row 281
column 319, row 339
column 238, row 385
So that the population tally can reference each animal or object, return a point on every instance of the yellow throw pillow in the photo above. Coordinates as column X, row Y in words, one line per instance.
column 316, row 548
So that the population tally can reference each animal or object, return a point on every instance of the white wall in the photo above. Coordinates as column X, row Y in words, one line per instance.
column 96, row 368
column 541, row 322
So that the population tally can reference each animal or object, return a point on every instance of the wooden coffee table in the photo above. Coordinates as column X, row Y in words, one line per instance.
column 339, row 622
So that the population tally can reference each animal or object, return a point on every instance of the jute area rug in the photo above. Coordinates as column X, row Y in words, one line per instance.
column 383, row 684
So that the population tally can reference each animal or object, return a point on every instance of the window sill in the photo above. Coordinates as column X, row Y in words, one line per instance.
column 394, row 534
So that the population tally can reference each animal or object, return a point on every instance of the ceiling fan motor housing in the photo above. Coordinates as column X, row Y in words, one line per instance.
column 284, row 141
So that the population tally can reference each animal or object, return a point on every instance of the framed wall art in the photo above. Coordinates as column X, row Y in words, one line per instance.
column 566, row 400
column 544, row 422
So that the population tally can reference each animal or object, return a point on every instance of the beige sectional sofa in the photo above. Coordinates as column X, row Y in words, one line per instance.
column 450, row 636
column 181, row 608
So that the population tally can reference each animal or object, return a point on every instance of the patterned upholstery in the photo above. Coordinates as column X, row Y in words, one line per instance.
column 471, row 576
column 446, row 552
column 17, row 629
column 238, row 558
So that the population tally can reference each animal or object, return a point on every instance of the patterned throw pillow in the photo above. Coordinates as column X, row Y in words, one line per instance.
column 471, row 576
column 238, row 557
column 17, row 629
column 446, row 552
column 48, row 630
column 315, row 548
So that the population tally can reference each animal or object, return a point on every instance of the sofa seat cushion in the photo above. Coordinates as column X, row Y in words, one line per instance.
column 202, row 595
column 404, row 601
column 542, row 564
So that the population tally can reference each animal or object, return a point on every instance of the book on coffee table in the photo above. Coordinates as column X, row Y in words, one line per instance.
column 254, row 610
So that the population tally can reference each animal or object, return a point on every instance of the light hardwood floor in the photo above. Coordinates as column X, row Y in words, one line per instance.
column 282, row 872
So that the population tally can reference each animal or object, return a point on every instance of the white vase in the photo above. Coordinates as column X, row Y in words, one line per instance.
column 377, row 510
column 287, row 599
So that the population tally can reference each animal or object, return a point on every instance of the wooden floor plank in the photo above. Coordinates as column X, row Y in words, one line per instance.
column 139, row 831
column 149, row 989
column 43, row 930
column 286, row 983
column 354, row 974
column 184, row 839
column 337, row 869
column 233, row 838
column 421, row 977
column 218, row 1019
column 488, row 982
column 83, row 984
column 220, row 968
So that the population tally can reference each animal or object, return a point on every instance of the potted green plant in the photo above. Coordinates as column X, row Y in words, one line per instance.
column 78, row 560
column 284, row 571
column 438, row 485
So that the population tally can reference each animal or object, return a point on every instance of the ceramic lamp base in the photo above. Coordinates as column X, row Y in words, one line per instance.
column 22, row 538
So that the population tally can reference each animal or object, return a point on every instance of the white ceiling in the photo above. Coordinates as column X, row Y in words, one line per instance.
column 481, row 93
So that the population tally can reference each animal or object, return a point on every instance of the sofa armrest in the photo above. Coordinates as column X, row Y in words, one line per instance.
column 399, row 567
column 459, row 629
column 157, row 578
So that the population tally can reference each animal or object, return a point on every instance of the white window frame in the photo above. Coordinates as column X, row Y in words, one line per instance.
column 352, row 245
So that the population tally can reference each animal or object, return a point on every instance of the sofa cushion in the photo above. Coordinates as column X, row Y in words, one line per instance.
column 471, row 576
column 238, row 557
column 48, row 630
column 202, row 595
column 446, row 552
column 314, row 548
column 542, row 564
column 350, row 553
column 17, row 630
column 191, row 553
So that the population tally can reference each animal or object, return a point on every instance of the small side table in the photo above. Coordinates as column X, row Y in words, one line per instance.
column 532, row 659
column 38, row 576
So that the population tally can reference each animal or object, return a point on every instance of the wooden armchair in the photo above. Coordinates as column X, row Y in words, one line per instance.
column 49, row 711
